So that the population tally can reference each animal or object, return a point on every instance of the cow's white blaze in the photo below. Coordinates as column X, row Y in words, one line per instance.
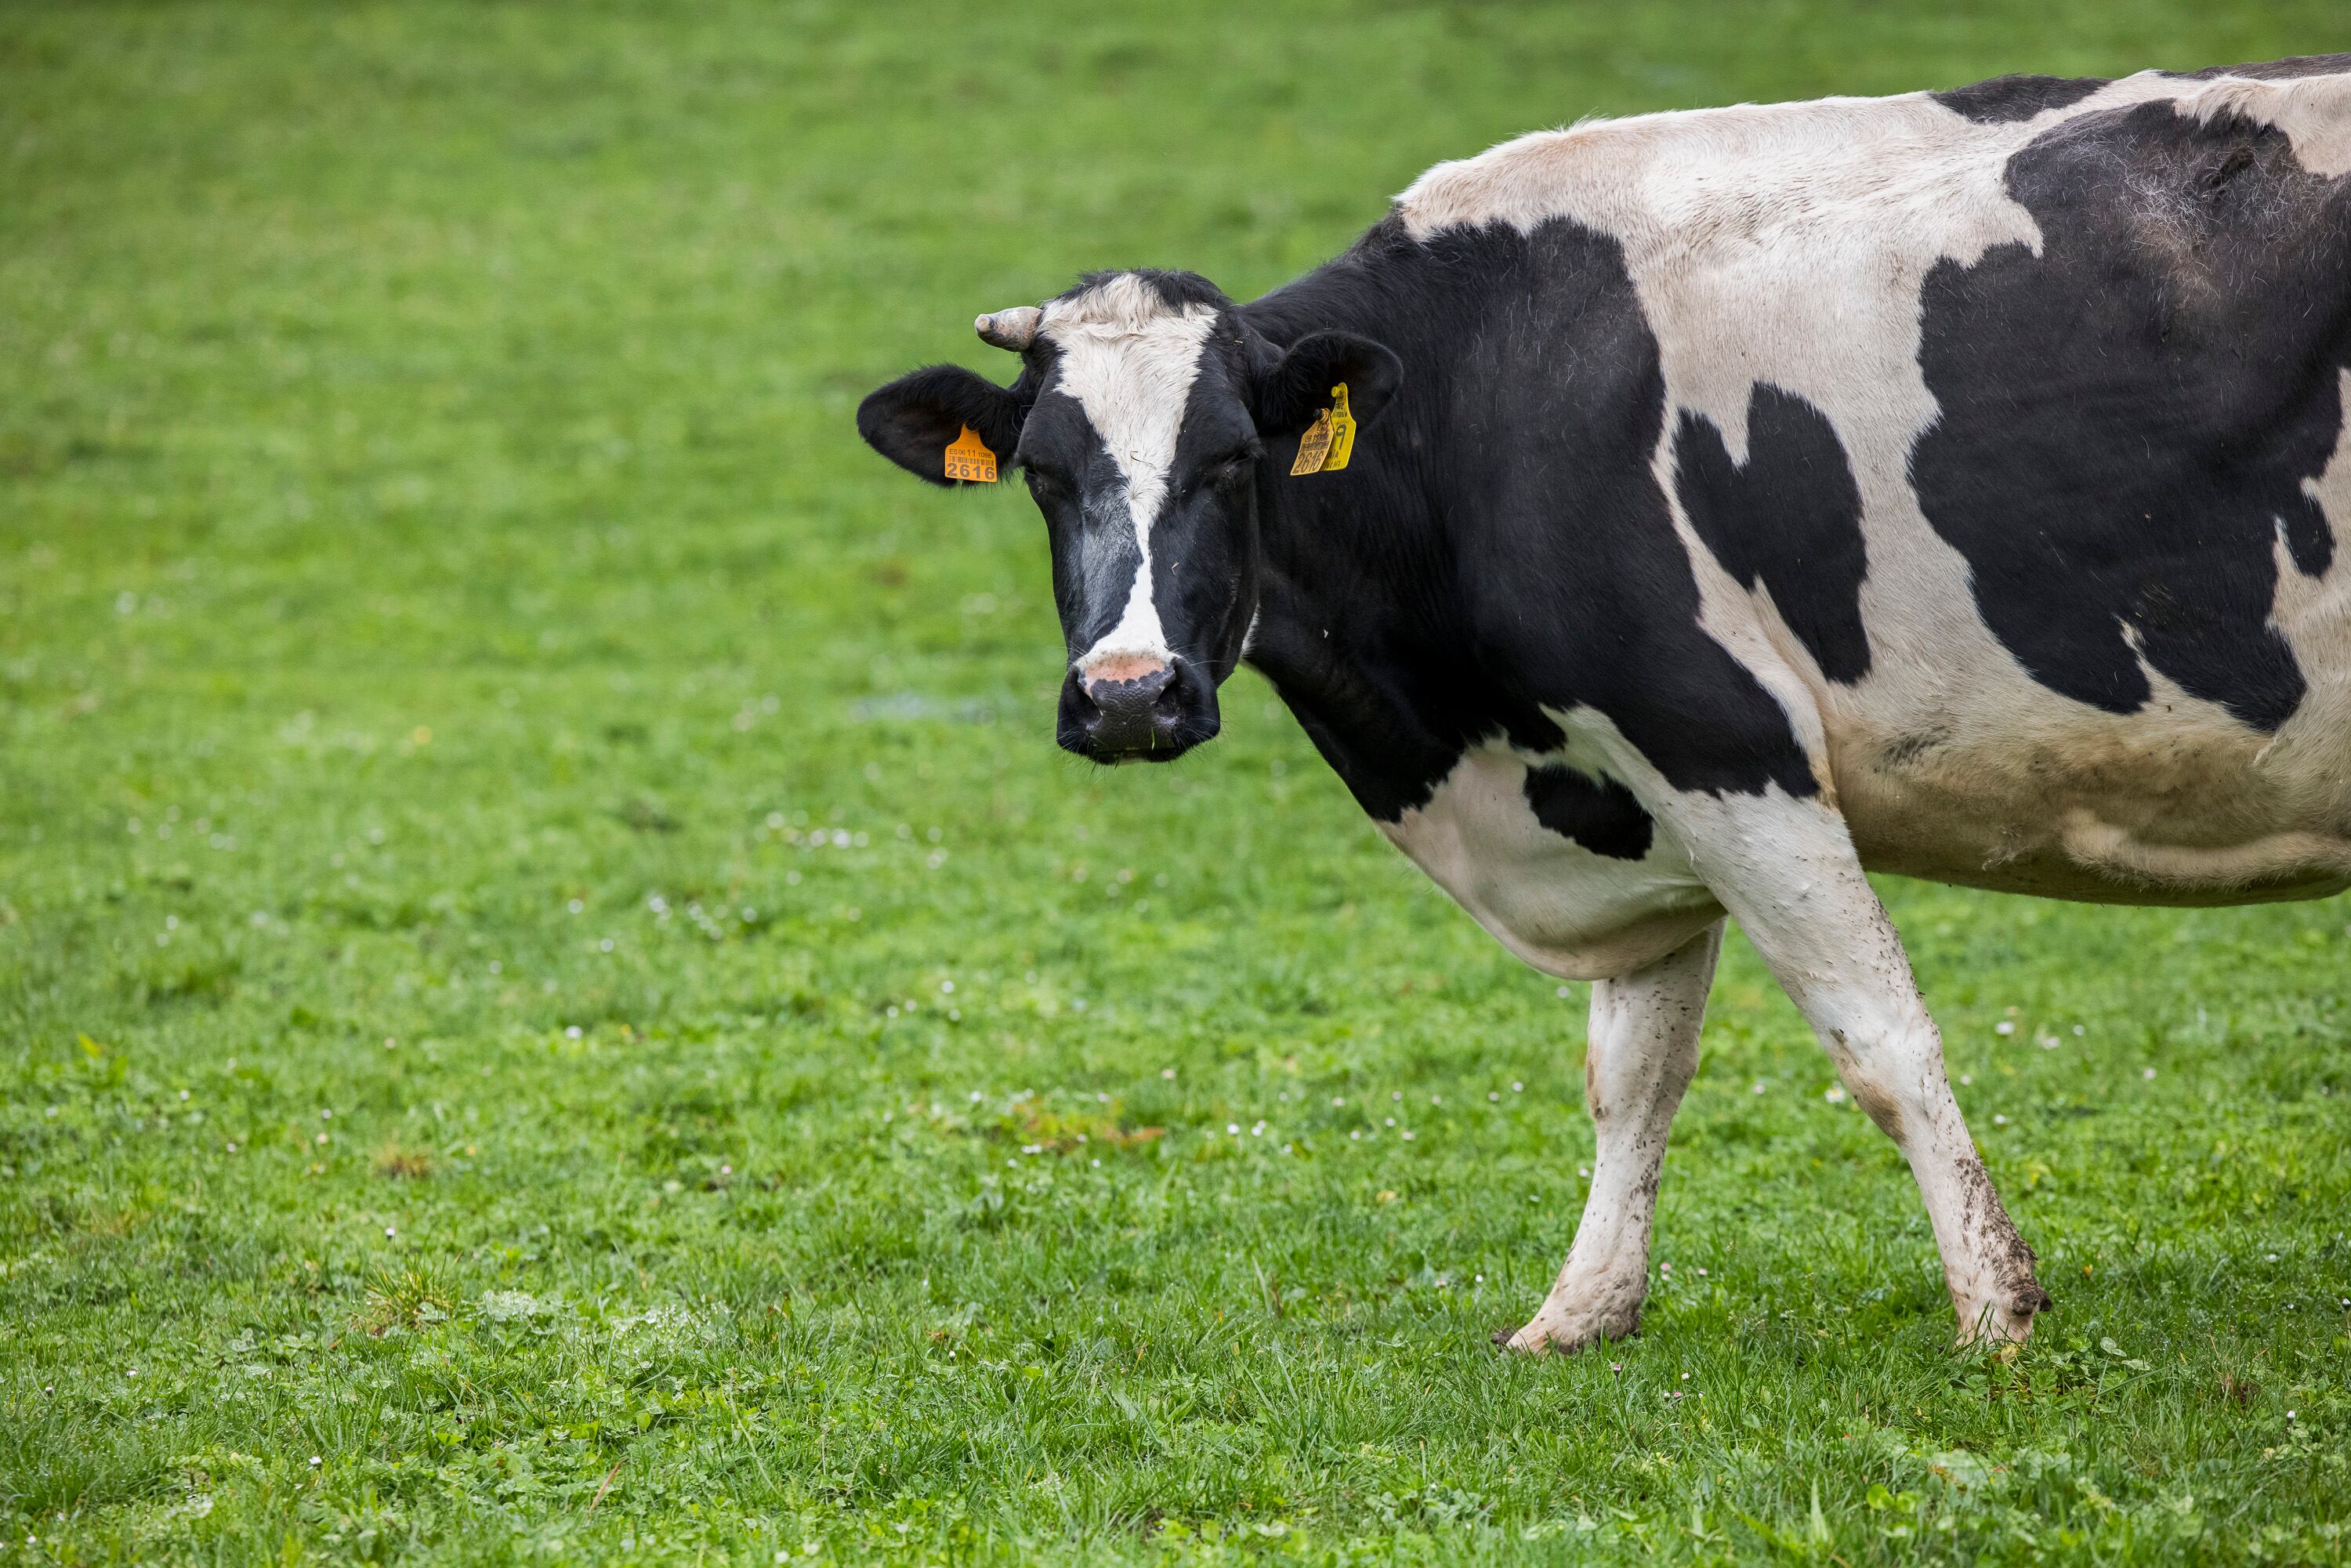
column 1129, row 360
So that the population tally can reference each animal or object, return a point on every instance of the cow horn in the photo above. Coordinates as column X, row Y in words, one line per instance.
column 1014, row 329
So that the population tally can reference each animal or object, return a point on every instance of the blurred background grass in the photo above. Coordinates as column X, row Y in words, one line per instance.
column 441, row 600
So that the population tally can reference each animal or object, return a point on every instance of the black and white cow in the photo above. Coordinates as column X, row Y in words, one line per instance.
column 1745, row 498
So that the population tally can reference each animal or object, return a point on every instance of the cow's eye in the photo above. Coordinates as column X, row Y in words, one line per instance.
column 1045, row 485
column 1233, row 470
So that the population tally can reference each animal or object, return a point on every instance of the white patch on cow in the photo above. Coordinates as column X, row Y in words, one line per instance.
column 2309, row 757
column 1788, row 243
column 2315, row 112
column 1555, row 903
column 1129, row 360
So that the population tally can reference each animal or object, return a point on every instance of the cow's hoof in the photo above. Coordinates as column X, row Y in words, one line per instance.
column 1566, row 1336
column 2001, row 1325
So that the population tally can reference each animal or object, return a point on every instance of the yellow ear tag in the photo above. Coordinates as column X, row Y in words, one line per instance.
column 1329, row 440
column 969, row 458
column 1342, row 430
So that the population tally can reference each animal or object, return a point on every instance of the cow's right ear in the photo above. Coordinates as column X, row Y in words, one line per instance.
column 915, row 419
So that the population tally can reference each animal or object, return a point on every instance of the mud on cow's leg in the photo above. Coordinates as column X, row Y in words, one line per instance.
column 1813, row 915
column 1643, row 1053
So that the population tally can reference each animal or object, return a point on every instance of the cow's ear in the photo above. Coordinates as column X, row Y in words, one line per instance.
column 1292, row 392
column 915, row 419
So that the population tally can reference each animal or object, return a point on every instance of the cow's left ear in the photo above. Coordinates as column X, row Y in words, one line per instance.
column 1290, row 394
column 915, row 419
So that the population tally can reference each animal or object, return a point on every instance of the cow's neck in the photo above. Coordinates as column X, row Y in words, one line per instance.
column 1361, row 625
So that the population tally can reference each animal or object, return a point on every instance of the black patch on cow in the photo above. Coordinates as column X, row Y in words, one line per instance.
column 2128, row 417
column 1789, row 517
column 2006, row 99
column 1598, row 813
column 1500, row 547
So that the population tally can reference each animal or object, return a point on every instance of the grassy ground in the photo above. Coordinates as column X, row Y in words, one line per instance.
column 557, row 1002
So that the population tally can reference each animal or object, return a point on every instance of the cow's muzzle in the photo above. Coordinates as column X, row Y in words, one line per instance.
column 1137, row 710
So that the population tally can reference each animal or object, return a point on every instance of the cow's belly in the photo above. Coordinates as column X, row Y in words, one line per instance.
column 2175, row 805
column 1562, row 907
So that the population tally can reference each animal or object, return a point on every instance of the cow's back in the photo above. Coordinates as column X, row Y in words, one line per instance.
column 2006, row 423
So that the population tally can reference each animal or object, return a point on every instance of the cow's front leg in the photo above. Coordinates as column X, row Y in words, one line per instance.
column 1786, row 869
column 1643, row 1050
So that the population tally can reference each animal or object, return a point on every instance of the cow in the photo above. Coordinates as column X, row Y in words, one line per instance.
column 1673, row 519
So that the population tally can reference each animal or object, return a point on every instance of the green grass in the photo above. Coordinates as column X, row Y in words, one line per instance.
column 451, row 1113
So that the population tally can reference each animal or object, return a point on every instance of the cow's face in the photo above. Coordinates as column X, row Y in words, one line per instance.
column 1140, row 424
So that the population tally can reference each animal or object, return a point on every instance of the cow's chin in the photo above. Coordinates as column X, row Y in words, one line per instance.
column 1163, row 746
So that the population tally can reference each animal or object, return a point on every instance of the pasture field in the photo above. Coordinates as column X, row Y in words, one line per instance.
column 558, row 1004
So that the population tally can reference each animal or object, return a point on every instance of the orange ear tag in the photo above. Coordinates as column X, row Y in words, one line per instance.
column 968, row 458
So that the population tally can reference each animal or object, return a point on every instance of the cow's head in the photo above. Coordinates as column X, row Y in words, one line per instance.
column 1140, row 421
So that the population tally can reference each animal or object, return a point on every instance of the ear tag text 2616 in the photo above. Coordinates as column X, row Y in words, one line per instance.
column 1330, row 441
column 969, row 458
